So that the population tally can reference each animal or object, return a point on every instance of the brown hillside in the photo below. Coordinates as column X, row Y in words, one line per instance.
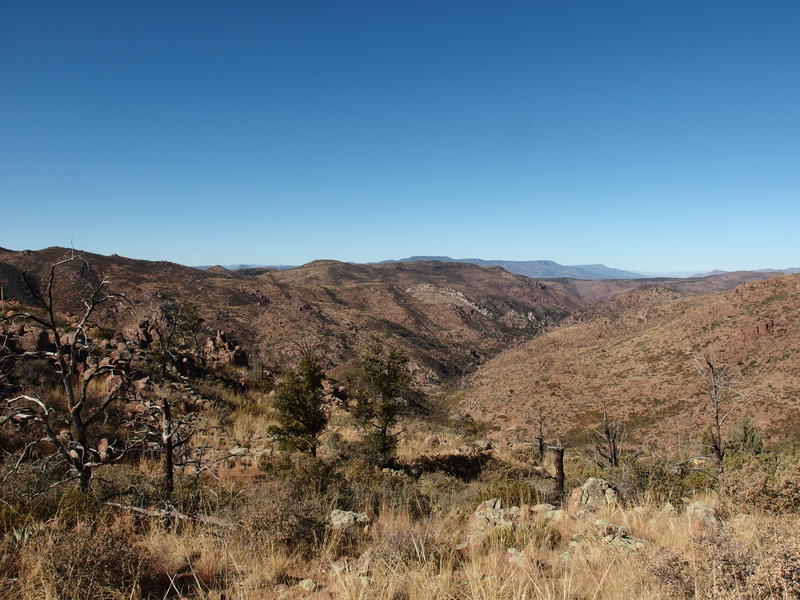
column 449, row 316
column 635, row 357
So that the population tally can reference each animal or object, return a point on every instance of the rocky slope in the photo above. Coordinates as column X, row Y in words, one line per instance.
column 634, row 355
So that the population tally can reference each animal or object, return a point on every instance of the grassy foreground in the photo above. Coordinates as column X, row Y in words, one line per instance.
column 256, row 526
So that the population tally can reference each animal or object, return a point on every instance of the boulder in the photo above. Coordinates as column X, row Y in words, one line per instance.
column 592, row 496
column 345, row 519
column 618, row 536
column 609, row 528
column 307, row 585
column 625, row 543
column 491, row 513
column 702, row 518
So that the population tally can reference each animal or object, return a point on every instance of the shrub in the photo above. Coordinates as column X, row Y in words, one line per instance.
column 767, row 481
column 412, row 546
column 658, row 481
column 88, row 561
column 35, row 373
column 280, row 518
column 539, row 534
column 465, row 467
column 671, row 572
column 370, row 489
column 777, row 574
column 514, row 492
column 446, row 493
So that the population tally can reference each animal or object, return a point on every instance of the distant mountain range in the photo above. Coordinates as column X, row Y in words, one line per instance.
column 244, row 267
column 536, row 269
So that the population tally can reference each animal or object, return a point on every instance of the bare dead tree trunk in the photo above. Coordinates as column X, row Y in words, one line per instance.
column 719, row 387
column 168, row 441
column 558, row 463
column 540, row 436
column 607, row 441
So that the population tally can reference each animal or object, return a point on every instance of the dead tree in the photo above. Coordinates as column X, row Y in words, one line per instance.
column 607, row 441
column 177, row 327
column 558, row 463
column 718, row 387
column 539, row 437
column 69, row 350
column 159, row 431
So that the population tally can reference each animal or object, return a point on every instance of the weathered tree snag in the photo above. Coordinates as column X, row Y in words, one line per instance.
column 718, row 385
column 70, row 346
column 558, row 463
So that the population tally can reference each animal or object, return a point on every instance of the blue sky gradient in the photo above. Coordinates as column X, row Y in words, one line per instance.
column 643, row 135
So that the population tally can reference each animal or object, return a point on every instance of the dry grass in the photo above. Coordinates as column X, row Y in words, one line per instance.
column 407, row 556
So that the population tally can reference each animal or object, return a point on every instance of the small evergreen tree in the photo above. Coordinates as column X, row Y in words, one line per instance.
column 300, row 407
column 383, row 393
column 745, row 438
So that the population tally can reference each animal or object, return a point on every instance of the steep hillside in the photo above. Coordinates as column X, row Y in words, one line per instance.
column 633, row 354
column 449, row 316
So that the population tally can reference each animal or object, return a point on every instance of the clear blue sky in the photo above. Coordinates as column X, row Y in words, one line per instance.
column 644, row 135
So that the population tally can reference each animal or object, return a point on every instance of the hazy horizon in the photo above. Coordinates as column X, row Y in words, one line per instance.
column 677, row 272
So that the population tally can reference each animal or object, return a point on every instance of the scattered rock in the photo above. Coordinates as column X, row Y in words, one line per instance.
column 515, row 557
column 702, row 518
column 344, row 519
column 307, row 585
column 609, row 528
column 618, row 536
column 627, row 544
column 394, row 472
column 490, row 514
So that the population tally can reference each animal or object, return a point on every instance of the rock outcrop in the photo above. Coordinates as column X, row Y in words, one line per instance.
column 591, row 497
column 491, row 514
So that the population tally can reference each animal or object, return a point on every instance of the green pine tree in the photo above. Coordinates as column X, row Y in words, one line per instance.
column 300, row 407
column 383, row 393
